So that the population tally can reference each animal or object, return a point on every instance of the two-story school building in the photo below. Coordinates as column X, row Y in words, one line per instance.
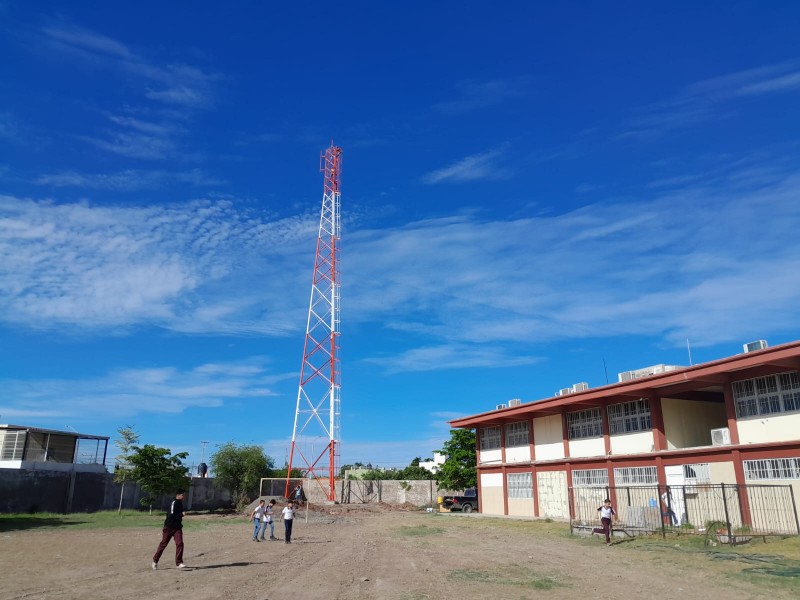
column 732, row 421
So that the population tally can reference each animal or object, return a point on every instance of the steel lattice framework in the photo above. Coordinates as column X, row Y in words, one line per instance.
column 316, row 418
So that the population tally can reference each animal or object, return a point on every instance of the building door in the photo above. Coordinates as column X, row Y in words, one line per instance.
column 553, row 494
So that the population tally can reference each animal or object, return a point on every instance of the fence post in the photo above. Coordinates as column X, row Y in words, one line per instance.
column 727, row 516
column 571, row 509
column 661, row 512
column 794, row 508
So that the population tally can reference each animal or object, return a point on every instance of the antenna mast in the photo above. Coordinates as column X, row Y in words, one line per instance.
column 316, row 419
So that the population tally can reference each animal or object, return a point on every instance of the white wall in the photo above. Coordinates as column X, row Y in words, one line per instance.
column 517, row 454
column 490, row 456
column 587, row 447
column 632, row 443
column 548, row 436
column 688, row 423
column 776, row 428
column 492, row 494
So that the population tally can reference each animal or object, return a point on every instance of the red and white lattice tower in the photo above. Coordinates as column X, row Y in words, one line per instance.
column 315, row 438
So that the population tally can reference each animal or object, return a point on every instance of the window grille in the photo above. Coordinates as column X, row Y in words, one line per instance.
column 628, row 417
column 697, row 474
column 520, row 485
column 767, row 395
column 490, row 438
column 517, row 434
column 772, row 468
column 12, row 443
column 590, row 478
column 584, row 424
column 635, row 476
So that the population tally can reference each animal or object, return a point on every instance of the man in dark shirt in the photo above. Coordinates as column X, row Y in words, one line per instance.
column 173, row 528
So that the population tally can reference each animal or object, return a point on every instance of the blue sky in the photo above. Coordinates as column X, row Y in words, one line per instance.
column 533, row 195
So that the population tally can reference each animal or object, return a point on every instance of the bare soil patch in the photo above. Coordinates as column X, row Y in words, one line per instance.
column 347, row 552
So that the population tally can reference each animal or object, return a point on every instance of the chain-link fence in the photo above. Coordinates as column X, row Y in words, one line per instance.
column 734, row 513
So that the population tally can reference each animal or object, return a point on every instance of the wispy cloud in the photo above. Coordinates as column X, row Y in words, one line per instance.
column 474, row 95
column 711, row 260
column 77, row 265
column 471, row 168
column 175, row 84
column 127, row 392
column 168, row 93
column 128, row 180
column 713, row 98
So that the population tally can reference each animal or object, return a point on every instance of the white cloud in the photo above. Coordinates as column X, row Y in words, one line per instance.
column 470, row 168
column 475, row 95
column 199, row 267
column 713, row 98
column 128, row 392
column 127, row 180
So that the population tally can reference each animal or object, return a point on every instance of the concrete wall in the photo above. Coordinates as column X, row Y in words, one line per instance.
column 492, row 493
column 689, row 423
column 587, row 447
column 24, row 490
column 776, row 428
column 515, row 454
column 632, row 443
column 548, row 436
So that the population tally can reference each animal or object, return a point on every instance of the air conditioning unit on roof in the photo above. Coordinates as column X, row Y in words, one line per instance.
column 753, row 346
column 515, row 402
column 646, row 372
column 721, row 437
column 564, row 391
column 500, row 406
column 580, row 387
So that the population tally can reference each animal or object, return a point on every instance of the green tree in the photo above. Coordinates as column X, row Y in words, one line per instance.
column 158, row 471
column 459, row 469
column 240, row 469
column 126, row 441
column 413, row 471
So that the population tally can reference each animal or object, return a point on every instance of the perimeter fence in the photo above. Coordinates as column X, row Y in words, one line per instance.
column 733, row 513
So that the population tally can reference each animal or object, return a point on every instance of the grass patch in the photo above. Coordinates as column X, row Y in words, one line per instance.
column 514, row 576
column 419, row 531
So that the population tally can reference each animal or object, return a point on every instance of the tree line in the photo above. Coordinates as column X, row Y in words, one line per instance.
column 240, row 468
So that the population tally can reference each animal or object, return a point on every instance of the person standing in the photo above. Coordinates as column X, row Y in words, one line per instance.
column 173, row 528
column 257, row 517
column 667, row 501
column 298, row 494
column 606, row 514
column 268, row 516
column 288, row 519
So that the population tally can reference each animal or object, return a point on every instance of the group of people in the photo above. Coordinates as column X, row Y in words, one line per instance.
column 262, row 516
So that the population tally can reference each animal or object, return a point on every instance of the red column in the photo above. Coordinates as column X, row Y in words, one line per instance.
column 535, row 492
column 531, row 440
column 730, row 412
column 565, row 433
column 744, row 500
column 657, row 421
column 606, row 430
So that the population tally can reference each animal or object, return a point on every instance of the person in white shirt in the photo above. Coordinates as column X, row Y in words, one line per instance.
column 288, row 519
column 606, row 514
column 256, row 517
column 267, row 518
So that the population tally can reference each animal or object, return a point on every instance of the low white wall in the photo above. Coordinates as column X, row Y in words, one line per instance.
column 632, row 443
column 548, row 436
column 517, row 454
column 776, row 428
column 587, row 447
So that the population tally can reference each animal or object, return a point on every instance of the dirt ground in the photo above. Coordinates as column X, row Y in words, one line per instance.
column 358, row 553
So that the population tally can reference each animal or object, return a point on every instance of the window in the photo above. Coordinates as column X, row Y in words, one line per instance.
column 517, row 434
column 767, row 395
column 490, row 438
column 11, row 444
column 773, row 468
column 628, row 417
column 696, row 474
column 635, row 476
column 520, row 485
column 584, row 424
column 590, row 478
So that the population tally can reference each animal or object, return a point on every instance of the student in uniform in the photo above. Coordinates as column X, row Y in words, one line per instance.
column 606, row 514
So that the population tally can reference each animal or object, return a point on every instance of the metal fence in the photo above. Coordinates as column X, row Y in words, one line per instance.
column 732, row 512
